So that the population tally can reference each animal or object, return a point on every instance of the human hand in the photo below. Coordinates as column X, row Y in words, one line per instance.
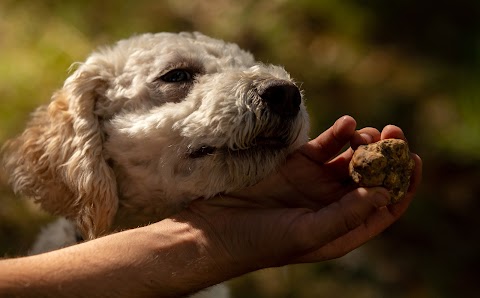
column 306, row 212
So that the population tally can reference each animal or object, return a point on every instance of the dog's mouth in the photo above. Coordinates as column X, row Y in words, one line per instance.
column 262, row 143
column 201, row 152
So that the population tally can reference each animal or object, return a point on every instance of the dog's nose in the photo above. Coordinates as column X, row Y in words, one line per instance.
column 282, row 97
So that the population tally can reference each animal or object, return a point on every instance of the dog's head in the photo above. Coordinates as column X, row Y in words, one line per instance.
column 152, row 123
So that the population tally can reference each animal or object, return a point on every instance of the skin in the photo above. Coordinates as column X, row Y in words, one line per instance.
column 306, row 212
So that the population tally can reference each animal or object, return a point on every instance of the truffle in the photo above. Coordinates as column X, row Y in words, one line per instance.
column 386, row 163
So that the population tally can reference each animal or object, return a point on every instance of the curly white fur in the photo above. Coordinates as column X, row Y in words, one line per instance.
column 119, row 141
column 126, row 142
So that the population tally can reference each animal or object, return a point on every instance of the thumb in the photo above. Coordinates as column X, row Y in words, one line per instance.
column 330, row 142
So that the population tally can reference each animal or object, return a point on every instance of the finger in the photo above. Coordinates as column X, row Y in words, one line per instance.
column 392, row 132
column 375, row 224
column 364, row 136
column 330, row 142
column 339, row 218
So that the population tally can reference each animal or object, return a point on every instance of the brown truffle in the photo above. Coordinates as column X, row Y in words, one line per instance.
column 386, row 163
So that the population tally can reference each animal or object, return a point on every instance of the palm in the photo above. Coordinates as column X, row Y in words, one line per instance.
column 289, row 216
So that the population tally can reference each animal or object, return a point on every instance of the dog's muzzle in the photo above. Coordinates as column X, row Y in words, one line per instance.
column 282, row 100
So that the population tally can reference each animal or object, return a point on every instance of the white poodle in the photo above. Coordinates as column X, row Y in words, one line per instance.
column 146, row 126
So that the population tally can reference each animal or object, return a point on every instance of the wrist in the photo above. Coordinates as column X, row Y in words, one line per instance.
column 223, row 246
column 191, row 263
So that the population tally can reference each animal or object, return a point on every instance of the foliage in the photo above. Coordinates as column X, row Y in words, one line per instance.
column 410, row 63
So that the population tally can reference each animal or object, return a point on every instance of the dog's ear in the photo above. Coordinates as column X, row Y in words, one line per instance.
column 58, row 160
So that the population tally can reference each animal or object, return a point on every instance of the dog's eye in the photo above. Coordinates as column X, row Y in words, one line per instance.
column 177, row 76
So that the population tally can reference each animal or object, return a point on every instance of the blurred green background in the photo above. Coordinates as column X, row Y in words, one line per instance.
column 415, row 64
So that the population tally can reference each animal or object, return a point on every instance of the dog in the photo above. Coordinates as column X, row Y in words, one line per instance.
column 142, row 128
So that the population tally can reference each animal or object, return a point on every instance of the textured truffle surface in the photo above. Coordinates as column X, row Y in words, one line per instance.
column 385, row 163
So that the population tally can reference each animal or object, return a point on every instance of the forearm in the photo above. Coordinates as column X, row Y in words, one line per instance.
column 166, row 259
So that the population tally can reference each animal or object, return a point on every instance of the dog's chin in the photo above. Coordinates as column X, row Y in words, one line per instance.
column 259, row 144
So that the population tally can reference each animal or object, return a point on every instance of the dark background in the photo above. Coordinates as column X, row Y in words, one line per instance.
column 410, row 63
